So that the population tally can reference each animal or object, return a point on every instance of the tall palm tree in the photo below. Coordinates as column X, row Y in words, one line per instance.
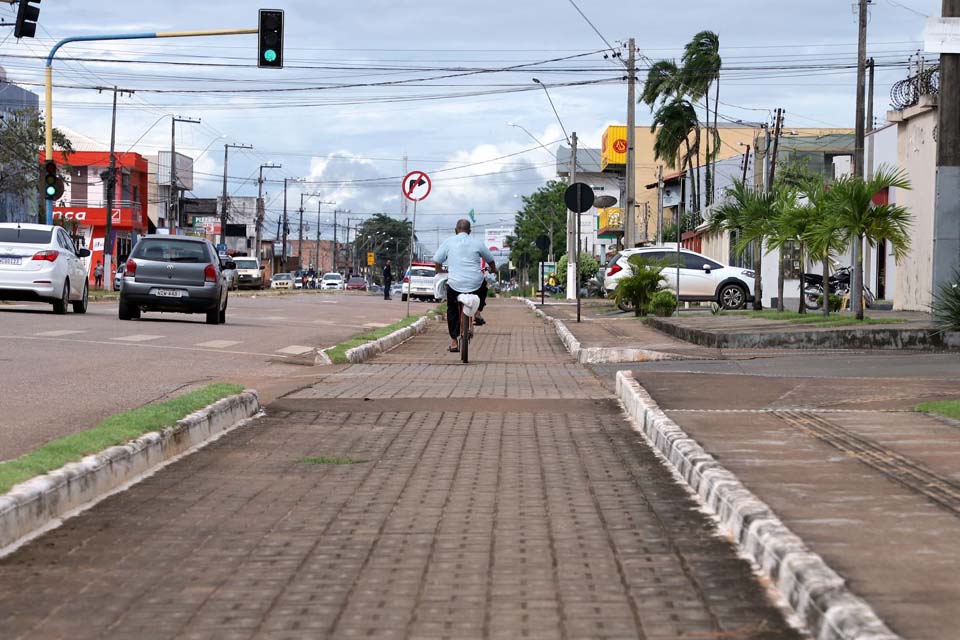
column 853, row 199
column 663, row 83
column 825, row 234
column 749, row 212
column 701, row 70
column 674, row 123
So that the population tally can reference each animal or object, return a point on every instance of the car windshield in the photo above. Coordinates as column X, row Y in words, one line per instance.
column 245, row 264
column 357, row 280
column 332, row 276
column 283, row 276
column 25, row 236
column 171, row 251
column 422, row 272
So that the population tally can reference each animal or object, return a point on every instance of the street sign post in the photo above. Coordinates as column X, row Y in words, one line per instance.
column 579, row 198
column 371, row 258
column 416, row 186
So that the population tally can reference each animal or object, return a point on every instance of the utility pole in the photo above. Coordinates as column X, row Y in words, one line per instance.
column 629, row 224
column 659, row 206
column 223, row 200
column 261, row 209
column 336, row 252
column 173, row 209
column 286, row 228
column 572, row 256
column 777, row 130
column 110, row 179
column 300, row 233
column 858, row 155
column 946, row 217
column 746, row 165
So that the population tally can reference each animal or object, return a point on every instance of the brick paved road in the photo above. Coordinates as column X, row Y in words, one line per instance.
column 494, row 500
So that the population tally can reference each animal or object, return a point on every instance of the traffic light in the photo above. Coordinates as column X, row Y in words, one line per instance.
column 52, row 184
column 271, row 39
column 27, row 14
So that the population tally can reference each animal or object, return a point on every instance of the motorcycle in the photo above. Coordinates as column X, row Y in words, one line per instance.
column 839, row 284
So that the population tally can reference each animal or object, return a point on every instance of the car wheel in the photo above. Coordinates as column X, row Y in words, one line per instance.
column 624, row 306
column 223, row 312
column 213, row 317
column 127, row 312
column 80, row 306
column 732, row 296
column 60, row 306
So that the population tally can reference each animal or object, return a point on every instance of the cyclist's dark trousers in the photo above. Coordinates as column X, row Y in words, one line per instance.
column 453, row 308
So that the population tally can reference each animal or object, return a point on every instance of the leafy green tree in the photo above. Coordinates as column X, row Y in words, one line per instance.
column 544, row 214
column 588, row 269
column 700, row 73
column 861, row 219
column 663, row 83
column 749, row 212
column 675, row 123
column 824, row 236
column 21, row 141
column 946, row 304
column 388, row 238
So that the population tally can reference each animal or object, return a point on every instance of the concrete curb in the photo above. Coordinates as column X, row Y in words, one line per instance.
column 34, row 505
column 865, row 338
column 815, row 591
column 598, row 355
column 368, row 350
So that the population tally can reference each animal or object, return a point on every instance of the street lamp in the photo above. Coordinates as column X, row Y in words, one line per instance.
column 562, row 128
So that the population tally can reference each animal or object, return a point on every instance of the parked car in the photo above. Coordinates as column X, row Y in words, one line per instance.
column 118, row 276
column 418, row 282
column 232, row 275
column 179, row 274
column 332, row 281
column 282, row 281
column 702, row 279
column 249, row 272
column 40, row 262
column 356, row 283
column 396, row 290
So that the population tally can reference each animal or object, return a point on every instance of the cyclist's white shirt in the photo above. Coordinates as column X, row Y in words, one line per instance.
column 462, row 254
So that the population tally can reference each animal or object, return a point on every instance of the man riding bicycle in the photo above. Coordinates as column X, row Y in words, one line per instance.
column 463, row 254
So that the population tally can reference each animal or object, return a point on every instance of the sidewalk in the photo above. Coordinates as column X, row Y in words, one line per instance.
column 504, row 498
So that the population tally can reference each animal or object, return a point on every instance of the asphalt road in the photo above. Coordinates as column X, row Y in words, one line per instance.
column 61, row 374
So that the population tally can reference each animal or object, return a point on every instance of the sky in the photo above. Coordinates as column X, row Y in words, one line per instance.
column 447, row 79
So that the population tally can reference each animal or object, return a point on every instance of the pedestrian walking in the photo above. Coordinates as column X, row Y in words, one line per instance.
column 387, row 280
column 98, row 275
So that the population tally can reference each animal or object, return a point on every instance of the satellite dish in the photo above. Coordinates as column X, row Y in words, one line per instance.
column 605, row 202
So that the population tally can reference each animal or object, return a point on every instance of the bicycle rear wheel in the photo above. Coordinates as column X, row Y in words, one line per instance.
column 464, row 337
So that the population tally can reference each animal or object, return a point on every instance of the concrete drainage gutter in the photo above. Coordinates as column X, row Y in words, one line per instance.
column 37, row 504
column 598, row 355
column 368, row 350
column 815, row 591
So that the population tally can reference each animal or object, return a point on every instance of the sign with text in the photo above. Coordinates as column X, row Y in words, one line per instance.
column 497, row 239
column 97, row 216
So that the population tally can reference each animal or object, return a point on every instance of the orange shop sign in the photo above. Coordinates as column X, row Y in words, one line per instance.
column 613, row 151
column 97, row 216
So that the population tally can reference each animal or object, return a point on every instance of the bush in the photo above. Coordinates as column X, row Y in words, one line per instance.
column 946, row 304
column 637, row 289
column 663, row 303
column 835, row 302
column 588, row 269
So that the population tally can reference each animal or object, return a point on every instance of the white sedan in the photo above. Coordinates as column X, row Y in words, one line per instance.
column 332, row 282
column 40, row 262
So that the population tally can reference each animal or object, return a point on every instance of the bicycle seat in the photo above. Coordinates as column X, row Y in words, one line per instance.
column 470, row 302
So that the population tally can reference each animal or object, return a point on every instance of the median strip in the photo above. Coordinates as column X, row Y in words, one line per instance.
column 367, row 345
column 74, row 471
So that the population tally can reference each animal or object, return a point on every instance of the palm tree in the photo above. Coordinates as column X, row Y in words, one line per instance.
column 853, row 201
column 663, row 83
column 794, row 223
column 824, row 235
column 675, row 122
column 701, row 70
column 748, row 212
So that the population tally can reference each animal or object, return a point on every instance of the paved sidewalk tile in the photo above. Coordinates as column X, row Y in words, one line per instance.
column 521, row 515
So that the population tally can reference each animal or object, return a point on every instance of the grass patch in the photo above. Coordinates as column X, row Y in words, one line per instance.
column 338, row 354
column 114, row 430
column 948, row 408
column 816, row 318
column 331, row 460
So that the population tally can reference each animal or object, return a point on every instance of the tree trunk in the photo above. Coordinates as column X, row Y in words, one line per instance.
column 780, row 281
column 758, row 276
column 826, row 285
column 716, row 114
column 803, row 302
column 696, row 202
column 856, row 287
column 709, row 181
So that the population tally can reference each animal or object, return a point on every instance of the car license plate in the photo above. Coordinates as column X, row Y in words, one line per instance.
column 169, row 293
column 8, row 260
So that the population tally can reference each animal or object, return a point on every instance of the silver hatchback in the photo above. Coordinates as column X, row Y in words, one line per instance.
column 175, row 273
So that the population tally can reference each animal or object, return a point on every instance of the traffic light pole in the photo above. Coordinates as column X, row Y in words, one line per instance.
column 48, row 73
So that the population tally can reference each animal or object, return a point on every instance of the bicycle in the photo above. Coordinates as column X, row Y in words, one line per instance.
column 466, row 333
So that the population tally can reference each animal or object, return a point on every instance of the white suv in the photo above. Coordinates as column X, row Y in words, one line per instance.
column 40, row 262
column 332, row 281
column 418, row 282
column 701, row 278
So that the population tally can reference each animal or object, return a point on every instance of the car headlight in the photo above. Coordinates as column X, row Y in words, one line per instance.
column 749, row 274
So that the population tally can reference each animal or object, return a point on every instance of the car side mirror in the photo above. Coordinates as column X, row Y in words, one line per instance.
column 229, row 264
column 83, row 253
column 707, row 268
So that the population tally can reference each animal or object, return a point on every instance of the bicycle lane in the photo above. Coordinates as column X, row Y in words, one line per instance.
column 504, row 498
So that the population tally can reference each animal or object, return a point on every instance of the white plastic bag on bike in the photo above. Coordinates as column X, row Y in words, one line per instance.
column 470, row 302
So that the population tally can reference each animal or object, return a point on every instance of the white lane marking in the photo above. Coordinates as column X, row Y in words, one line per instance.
column 295, row 350
column 271, row 317
column 140, row 337
column 323, row 322
column 140, row 345
column 217, row 344
column 57, row 334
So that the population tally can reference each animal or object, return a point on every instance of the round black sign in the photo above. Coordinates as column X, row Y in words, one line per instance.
column 579, row 197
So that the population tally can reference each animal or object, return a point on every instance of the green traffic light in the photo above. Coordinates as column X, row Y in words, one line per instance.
column 51, row 191
column 270, row 55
